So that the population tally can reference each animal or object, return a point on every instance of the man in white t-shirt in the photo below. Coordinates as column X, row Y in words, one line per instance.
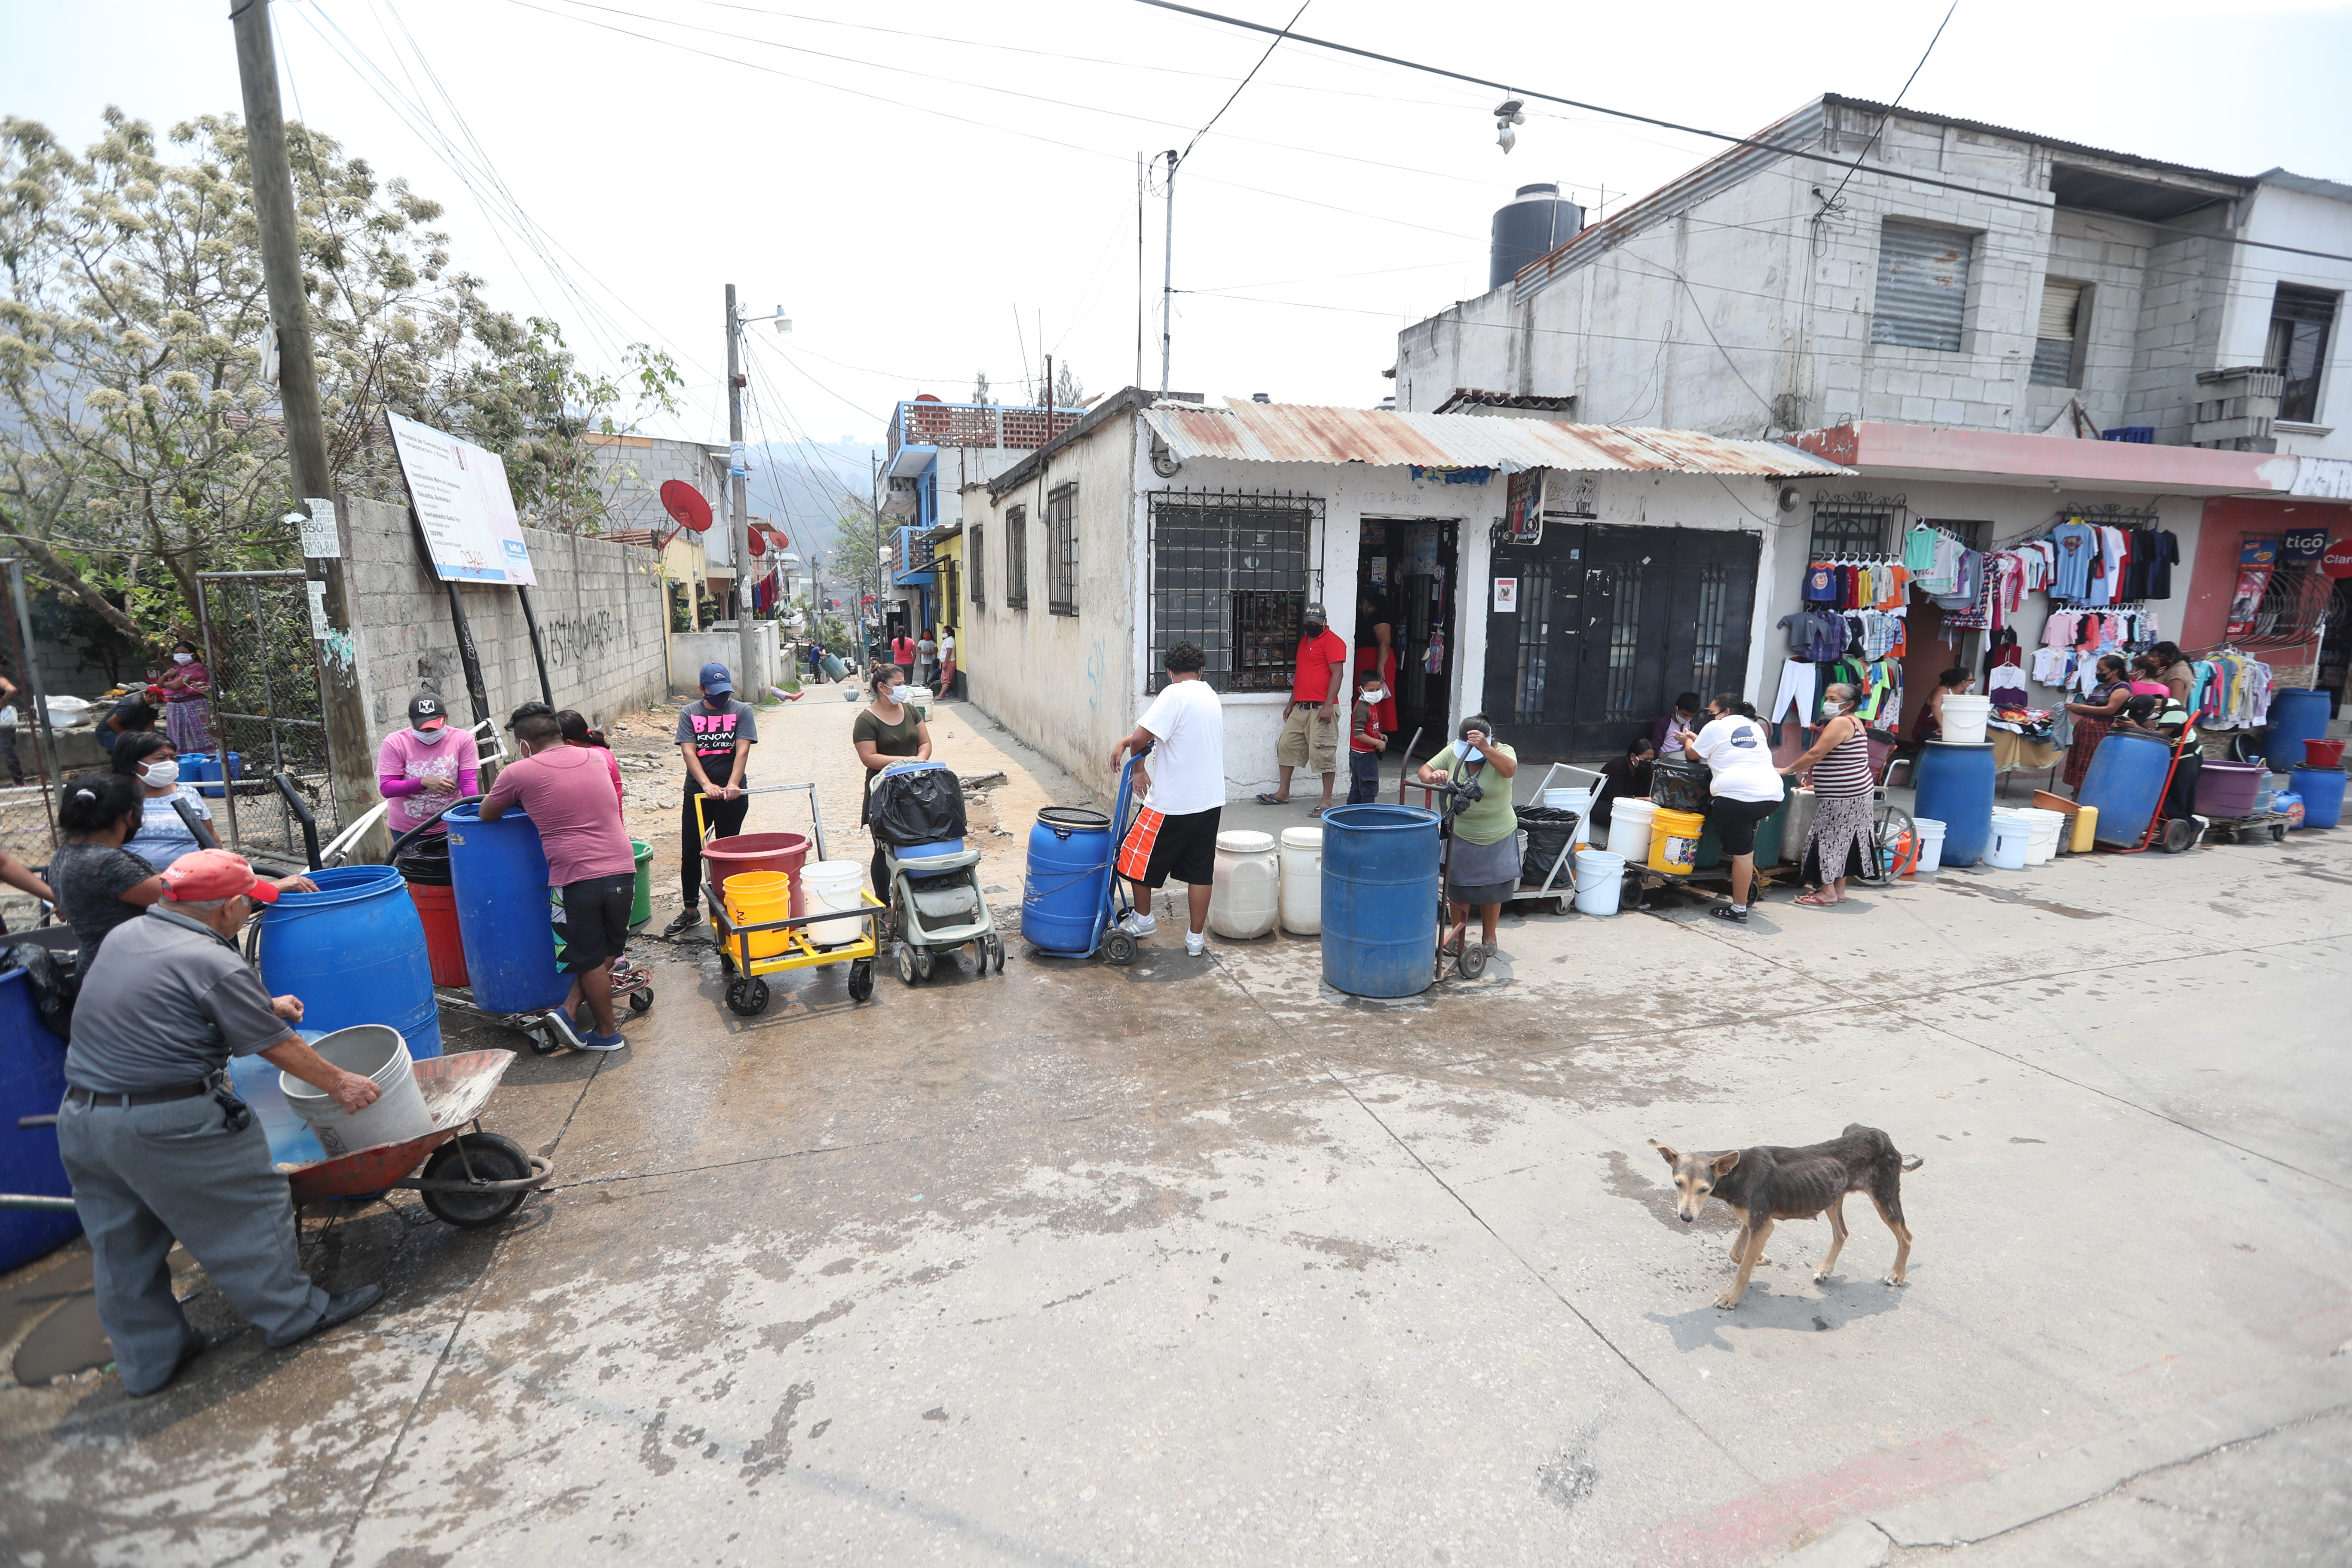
column 1175, row 834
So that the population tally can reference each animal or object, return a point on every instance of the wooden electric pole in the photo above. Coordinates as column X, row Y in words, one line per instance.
column 738, row 527
column 351, row 759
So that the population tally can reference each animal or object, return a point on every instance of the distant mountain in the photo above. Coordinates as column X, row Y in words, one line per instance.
column 802, row 486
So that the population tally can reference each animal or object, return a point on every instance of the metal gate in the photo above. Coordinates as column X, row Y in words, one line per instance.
column 267, row 711
column 1612, row 624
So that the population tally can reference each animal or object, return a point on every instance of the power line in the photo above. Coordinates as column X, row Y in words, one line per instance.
column 1239, row 86
column 1896, row 104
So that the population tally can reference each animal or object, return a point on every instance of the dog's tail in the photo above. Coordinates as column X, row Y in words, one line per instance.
column 1912, row 1162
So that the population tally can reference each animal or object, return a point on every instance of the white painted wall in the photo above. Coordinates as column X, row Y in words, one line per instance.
column 2311, row 222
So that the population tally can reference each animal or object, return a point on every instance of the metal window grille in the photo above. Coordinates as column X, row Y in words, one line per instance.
column 1707, row 652
column 1923, row 286
column 1230, row 575
column 1624, row 642
column 1061, row 551
column 1016, row 558
column 2294, row 598
column 1535, row 641
column 978, row 555
column 1848, row 533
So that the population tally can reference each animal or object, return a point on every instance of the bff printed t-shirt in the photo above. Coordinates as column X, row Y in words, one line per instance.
column 713, row 734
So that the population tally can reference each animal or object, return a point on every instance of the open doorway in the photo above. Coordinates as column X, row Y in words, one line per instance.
column 1405, row 583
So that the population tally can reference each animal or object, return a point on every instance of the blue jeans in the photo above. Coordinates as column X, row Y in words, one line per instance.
column 1363, row 777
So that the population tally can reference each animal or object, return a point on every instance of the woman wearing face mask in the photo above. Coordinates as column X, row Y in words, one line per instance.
column 427, row 765
column 1843, row 834
column 164, row 834
column 187, row 708
column 887, row 731
column 1744, row 786
column 1483, row 867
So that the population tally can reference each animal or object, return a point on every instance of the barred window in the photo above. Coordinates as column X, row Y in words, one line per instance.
column 1229, row 574
column 1061, row 549
column 979, row 580
column 1016, row 558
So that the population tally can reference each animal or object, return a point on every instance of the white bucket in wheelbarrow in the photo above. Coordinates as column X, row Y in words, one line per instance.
column 1600, row 877
column 834, row 885
column 373, row 1051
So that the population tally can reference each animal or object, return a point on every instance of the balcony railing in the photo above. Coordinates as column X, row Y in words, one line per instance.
column 924, row 423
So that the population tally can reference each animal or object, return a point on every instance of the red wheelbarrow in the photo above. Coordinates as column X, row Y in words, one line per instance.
column 472, row 1178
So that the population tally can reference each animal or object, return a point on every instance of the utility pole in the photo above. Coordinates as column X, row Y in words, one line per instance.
column 351, row 759
column 1167, row 275
column 738, row 527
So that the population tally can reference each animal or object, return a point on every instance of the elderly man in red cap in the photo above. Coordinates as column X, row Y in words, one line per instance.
column 159, row 1148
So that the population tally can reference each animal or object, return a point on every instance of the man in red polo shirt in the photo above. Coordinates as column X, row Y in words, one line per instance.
column 1311, row 720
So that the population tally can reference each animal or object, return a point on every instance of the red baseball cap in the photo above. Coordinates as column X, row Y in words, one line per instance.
column 211, row 874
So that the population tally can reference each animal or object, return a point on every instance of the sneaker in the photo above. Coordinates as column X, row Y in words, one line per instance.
column 596, row 1042
column 687, row 919
column 1138, row 924
column 1726, row 913
column 1195, row 943
column 566, row 1032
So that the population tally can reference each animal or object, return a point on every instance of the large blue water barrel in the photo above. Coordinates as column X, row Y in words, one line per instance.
column 354, row 952
column 1380, row 899
column 2323, row 795
column 1955, row 788
column 32, row 1081
column 2124, row 783
column 2297, row 714
column 499, row 874
column 1069, row 877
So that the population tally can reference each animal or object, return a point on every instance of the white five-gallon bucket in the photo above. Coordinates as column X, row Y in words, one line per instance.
column 2010, row 836
column 1928, row 834
column 1579, row 801
column 2047, row 828
column 1302, row 880
column 373, row 1051
column 1245, row 899
column 1629, row 829
column 829, row 885
column 1964, row 719
column 1600, row 877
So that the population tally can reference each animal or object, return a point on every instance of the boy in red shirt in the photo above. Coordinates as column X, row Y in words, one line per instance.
column 1366, row 740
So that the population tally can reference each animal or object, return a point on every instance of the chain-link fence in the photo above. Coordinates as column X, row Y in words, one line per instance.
column 267, row 716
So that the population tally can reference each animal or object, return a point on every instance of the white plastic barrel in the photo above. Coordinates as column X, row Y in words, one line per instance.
column 1600, row 877
column 1302, row 880
column 1964, row 719
column 1245, row 899
column 2010, row 836
column 1929, row 834
column 833, row 885
column 1629, row 829
column 373, row 1051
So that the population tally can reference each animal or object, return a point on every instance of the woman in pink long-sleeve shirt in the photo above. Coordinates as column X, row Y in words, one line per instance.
column 425, row 767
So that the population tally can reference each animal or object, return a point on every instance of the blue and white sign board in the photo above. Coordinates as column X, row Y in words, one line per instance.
column 460, row 494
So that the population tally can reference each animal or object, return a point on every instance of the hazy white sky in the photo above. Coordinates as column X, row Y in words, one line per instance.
column 932, row 188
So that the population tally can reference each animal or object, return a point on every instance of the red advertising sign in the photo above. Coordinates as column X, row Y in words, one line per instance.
column 2337, row 559
column 2247, row 602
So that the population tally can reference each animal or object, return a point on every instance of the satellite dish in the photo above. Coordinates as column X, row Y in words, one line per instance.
column 685, row 505
column 759, row 541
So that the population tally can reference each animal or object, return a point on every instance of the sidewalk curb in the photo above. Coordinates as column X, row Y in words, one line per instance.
column 1981, row 1510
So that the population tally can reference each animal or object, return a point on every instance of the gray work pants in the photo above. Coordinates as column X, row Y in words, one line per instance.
column 144, row 1175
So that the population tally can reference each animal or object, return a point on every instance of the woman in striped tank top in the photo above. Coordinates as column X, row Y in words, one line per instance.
column 1843, row 834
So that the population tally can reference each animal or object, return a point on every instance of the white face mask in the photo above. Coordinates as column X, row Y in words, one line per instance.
column 898, row 693
column 183, row 658
column 162, row 774
column 1374, row 693
column 428, row 736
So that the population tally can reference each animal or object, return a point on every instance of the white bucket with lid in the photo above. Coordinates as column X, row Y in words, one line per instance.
column 1302, row 880
column 1630, row 821
column 829, row 885
column 2010, row 836
column 1599, row 878
column 1964, row 719
column 373, row 1051
column 2048, row 828
column 1245, row 899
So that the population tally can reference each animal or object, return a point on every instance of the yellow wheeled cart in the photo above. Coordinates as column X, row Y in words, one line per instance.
column 747, row 988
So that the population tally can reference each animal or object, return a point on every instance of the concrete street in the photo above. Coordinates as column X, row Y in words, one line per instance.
column 1202, row 1262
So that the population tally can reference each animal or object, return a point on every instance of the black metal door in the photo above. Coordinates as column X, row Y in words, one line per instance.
column 1613, row 624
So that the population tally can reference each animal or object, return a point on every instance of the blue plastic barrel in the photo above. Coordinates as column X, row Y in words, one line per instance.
column 32, row 1082
column 1380, row 899
column 2297, row 714
column 497, row 872
column 2322, row 790
column 2125, row 782
column 1955, row 788
column 354, row 952
column 212, row 768
column 1068, row 881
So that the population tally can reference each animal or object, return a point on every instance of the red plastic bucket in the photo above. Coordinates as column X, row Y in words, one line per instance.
column 2322, row 754
column 782, row 852
column 444, row 954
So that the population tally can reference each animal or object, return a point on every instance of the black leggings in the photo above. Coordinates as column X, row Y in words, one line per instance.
column 726, row 819
column 1735, row 821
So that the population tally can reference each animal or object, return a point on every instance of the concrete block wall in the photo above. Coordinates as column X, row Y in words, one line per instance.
column 600, row 610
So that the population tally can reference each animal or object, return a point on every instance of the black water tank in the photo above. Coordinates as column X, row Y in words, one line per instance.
column 1536, row 222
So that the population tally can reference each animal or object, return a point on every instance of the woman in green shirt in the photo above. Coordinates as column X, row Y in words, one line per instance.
column 887, row 732
column 1484, row 869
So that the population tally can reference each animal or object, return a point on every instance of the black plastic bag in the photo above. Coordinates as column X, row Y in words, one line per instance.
column 1549, row 830
column 55, row 985
column 919, row 805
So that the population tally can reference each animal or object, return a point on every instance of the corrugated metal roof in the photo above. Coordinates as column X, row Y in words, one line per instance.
column 1293, row 432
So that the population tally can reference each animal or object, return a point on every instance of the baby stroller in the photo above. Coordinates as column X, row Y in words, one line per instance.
column 917, row 817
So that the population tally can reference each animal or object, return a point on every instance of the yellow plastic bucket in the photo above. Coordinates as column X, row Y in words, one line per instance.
column 756, row 897
column 1673, row 841
column 2086, row 828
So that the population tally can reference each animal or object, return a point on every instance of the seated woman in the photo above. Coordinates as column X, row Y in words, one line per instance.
column 163, row 833
column 1929, row 724
column 1666, row 734
column 1629, row 777
column 2093, row 717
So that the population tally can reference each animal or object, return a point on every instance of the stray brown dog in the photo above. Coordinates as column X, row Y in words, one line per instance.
column 1767, row 1183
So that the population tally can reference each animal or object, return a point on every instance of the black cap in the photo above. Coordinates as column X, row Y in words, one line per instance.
column 426, row 712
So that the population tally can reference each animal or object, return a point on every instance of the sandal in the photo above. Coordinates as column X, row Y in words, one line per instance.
column 1317, row 812
column 1815, row 901
column 1265, row 799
